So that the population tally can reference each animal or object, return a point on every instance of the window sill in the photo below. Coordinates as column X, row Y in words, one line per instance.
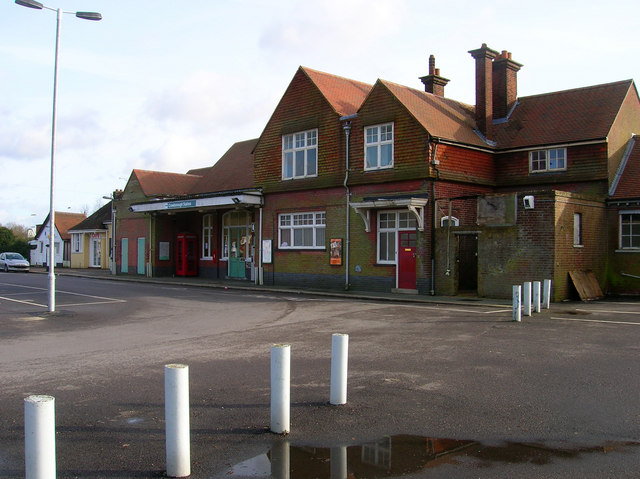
column 578, row 246
column 628, row 250
column 382, row 168
column 316, row 250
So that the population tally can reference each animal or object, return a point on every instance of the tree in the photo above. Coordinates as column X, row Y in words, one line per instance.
column 9, row 241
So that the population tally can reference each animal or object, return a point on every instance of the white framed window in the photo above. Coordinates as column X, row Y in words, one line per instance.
column 300, row 155
column 389, row 223
column 577, row 229
column 236, row 235
column 630, row 230
column 207, row 237
column 378, row 147
column 554, row 159
column 449, row 221
column 76, row 242
column 302, row 230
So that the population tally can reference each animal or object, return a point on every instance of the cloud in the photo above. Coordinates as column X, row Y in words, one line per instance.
column 333, row 26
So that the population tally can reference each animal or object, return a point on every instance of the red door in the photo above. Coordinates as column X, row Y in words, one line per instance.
column 407, row 259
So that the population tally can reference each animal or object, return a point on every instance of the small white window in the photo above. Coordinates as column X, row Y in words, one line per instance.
column 76, row 240
column 548, row 160
column 302, row 230
column 449, row 221
column 630, row 230
column 577, row 229
column 300, row 155
column 378, row 147
column 207, row 236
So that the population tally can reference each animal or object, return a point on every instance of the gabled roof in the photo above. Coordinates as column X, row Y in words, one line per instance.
column 626, row 184
column 158, row 183
column 233, row 171
column 568, row 116
column 441, row 117
column 64, row 222
column 344, row 95
column 96, row 221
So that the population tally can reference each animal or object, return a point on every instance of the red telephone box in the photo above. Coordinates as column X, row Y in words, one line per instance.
column 186, row 254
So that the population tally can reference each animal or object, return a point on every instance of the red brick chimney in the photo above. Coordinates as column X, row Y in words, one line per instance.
column 433, row 82
column 505, row 84
column 484, row 88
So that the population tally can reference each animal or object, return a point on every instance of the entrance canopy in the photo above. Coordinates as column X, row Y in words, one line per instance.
column 414, row 204
column 243, row 198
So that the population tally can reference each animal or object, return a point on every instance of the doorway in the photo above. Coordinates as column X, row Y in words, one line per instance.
column 95, row 251
column 467, row 263
column 407, row 241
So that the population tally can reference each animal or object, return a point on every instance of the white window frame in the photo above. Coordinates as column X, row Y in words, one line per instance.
column 550, row 160
column 633, row 233
column 303, row 146
column 377, row 138
column 454, row 221
column 76, row 242
column 577, row 230
column 291, row 225
column 404, row 220
column 207, row 237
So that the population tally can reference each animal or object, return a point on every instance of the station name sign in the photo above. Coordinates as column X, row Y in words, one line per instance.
column 176, row 205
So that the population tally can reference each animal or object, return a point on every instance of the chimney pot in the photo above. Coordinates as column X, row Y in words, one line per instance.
column 432, row 64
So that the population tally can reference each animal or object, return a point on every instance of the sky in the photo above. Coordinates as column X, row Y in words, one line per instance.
column 170, row 85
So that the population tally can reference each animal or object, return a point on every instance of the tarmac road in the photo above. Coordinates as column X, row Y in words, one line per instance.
column 553, row 396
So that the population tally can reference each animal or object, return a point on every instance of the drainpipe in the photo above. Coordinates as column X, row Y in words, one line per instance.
column 260, row 278
column 149, row 264
column 434, row 163
column 347, row 132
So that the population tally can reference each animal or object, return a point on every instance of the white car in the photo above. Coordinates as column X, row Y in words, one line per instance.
column 13, row 262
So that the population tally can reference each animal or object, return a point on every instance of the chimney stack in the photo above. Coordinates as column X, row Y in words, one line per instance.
column 484, row 88
column 433, row 82
column 505, row 85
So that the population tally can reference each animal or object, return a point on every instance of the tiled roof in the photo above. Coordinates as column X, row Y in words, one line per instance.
column 95, row 221
column 441, row 117
column 628, row 186
column 233, row 171
column 344, row 95
column 64, row 222
column 158, row 183
column 566, row 116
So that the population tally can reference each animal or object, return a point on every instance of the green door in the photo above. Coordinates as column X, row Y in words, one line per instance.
column 124, row 259
column 141, row 256
column 237, row 251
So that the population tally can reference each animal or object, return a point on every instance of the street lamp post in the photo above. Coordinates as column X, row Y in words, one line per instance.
column 113, row 232
column 52, row 224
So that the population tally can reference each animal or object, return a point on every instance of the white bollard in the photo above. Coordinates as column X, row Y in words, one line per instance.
column 280, row 388
column 526, row 299
column 338, row 458
column 536, row 296
column 546, row 294
column 40, row 437
column 517, row 312
column 339, row 360
column 176, row 412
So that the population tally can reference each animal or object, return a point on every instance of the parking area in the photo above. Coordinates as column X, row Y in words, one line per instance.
column 552, row 396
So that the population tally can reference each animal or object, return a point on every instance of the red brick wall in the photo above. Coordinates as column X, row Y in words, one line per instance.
column 586, row 163
column 301, row 108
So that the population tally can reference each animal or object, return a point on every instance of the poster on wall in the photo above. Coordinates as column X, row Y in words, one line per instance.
column 336, row 252
column 163, row 253
column 266, row 251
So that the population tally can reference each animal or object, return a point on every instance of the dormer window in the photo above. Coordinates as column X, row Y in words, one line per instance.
column 554, row 159
column 378, row 147
column 300, row 155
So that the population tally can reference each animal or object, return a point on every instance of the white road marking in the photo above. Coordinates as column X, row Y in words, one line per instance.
column 607, row 311
column 596, row 321
column 104, row 300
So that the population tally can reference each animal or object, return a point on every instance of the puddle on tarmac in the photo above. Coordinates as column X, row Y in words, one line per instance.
column 395, row 456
